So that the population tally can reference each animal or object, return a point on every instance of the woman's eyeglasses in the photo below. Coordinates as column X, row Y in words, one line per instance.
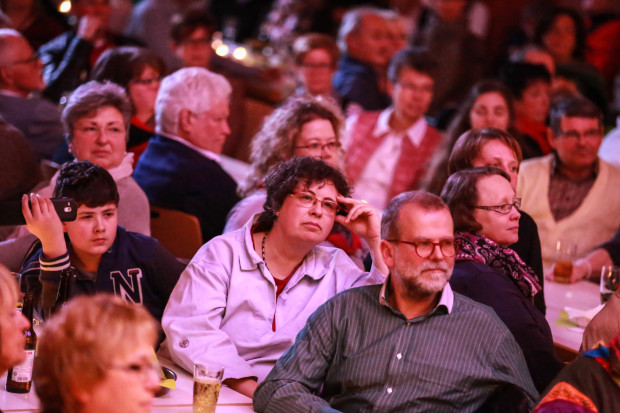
column 501, row 209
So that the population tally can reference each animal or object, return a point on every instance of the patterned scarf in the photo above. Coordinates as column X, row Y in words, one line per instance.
column 476, row 247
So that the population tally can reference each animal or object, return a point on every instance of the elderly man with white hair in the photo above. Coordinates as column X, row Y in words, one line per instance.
column 180, row 168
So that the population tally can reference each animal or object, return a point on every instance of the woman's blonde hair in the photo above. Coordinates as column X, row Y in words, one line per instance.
column 276, row 140
column 77, row 346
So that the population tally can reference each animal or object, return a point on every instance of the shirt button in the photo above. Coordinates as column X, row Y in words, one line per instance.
column 389, row 390
column 184, row 343
column 399, row 356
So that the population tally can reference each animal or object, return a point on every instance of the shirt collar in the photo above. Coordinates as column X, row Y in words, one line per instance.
column 415, row 133
column 207, row 154
column 555, row 166
column 446, row 299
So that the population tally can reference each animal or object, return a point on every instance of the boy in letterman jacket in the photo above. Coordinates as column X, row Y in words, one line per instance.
column 105, row 257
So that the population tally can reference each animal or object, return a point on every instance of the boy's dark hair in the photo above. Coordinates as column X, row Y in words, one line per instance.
column 88, row 184
column 573, row 107
column 283, row 180
column 413, row 58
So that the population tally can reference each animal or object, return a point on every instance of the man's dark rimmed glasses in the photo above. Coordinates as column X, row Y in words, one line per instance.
column 501, row 209
column 425, row 248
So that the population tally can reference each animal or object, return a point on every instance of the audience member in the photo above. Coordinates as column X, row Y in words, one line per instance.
column 494, row 147
column 68, row 58
column 276, row 257
column 96, row 356
column 589, row 384
column 139, row 71
column 489, row 105
column 301, row 127
column 20, row 77
column 389, row 151
column 37, row 23
column 405, row 345
column 569, row 193
column 180, row 168
column 397, row 32
column 104, row 256
column 13, row 324
column 365, row 47
column 191, row 35
column 486, row 222
column 444, row 30
column 151, row 23
column 316, row 58
column 562, row 32
column 96, row 118
column 530, row 86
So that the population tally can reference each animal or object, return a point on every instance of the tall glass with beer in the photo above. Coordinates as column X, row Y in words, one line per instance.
column 207, row 383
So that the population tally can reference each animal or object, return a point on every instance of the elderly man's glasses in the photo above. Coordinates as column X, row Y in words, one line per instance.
column 330, row 146
column 501, row 209
column 425, row 248
column 307, row 200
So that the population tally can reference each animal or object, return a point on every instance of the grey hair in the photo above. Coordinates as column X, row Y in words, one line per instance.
column 351, row 22
column 87, row 99
column 390, row 220
column 193, row 88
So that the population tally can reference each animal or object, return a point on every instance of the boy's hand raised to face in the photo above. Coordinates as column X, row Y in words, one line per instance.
column 43, row 222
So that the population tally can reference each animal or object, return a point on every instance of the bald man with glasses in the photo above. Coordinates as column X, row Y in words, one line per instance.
column 409, row 344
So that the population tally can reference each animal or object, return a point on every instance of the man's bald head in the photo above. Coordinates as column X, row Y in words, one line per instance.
column 20, row 68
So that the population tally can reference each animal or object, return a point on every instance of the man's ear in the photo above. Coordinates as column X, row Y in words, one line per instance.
column 185, row 120
column 387, row 252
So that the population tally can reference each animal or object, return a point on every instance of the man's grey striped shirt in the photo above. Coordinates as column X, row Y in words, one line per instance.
column 357, row 354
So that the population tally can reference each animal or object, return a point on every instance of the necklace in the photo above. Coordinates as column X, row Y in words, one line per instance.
column 263, row 250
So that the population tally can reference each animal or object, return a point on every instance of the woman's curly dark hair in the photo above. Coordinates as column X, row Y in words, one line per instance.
column 284, row 179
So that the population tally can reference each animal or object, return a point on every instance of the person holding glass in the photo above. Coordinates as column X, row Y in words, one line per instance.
column 495, row 147
column 246, row 294
column 489, row 105
column 486, row 221
column 96, row 356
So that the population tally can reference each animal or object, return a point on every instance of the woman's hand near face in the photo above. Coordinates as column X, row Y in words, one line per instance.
column 364, row 220
column 43, row 222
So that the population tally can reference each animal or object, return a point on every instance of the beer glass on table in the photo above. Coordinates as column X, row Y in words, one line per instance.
column 610, row 282
column 565, row 252
column 207, row 383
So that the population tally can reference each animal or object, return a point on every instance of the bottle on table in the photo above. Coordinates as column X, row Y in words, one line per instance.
column 19, row 378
